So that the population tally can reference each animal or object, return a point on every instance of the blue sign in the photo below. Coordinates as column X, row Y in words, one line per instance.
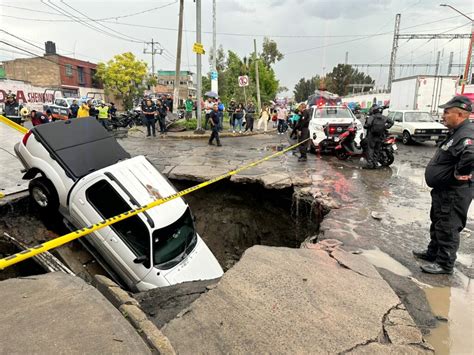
column 213, row 75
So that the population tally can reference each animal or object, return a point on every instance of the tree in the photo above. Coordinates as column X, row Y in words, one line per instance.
column 304, row 88
column 124, row 77
column 270, row 54
column 342, row 75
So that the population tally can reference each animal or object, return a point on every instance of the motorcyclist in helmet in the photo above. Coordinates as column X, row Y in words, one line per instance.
column 376, row 126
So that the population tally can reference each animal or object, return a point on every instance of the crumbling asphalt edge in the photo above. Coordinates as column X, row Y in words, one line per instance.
column 130, row 308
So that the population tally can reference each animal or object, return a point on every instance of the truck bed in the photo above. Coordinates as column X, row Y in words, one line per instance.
column 80, row 146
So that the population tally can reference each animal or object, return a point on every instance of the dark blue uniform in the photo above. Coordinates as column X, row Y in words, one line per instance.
column 451, row 198
column 149, row 114
column 214, row 120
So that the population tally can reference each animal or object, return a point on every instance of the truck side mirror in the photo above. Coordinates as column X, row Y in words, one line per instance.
column 140, row 259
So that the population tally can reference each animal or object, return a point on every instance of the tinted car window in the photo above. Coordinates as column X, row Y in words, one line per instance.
column 106, row 200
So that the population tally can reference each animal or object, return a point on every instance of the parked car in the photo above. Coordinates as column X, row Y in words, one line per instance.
column 78, row 168
column 416, row 126
column 328, row 122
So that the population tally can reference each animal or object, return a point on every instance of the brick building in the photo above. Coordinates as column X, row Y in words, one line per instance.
column 165, row 85
column 72, row 76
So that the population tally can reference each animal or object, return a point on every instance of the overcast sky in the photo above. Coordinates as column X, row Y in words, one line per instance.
column 314, row 35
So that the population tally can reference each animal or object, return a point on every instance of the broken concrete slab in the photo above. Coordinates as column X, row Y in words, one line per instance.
column 55, row 312
column 281, row 300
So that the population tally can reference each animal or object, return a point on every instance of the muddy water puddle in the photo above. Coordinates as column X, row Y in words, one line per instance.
column 382, row 260
column 456, row 305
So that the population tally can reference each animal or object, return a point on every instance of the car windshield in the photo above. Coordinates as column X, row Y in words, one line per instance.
column 332, row 112
column 418, row 117
column 172, row 243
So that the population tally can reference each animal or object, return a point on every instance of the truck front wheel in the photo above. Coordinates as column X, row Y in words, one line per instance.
column 44, row 194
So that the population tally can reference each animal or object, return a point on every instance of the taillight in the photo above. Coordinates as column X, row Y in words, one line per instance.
column 332, row 129
column 25, row 137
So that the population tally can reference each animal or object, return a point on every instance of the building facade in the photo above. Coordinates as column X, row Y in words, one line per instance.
column 69, row 75
column 165, row 83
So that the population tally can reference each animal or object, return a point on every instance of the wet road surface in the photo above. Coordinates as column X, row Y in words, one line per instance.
column 397, row 196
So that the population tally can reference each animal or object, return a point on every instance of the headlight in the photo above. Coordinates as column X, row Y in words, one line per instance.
column 445, row 131
column 420, row 131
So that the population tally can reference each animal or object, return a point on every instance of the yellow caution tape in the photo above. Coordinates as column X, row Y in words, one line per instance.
column 30, row 252
column 14, row 125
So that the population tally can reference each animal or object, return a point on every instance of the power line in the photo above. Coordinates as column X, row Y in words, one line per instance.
column 95, row 21
column 225, row 33
column 66, row 13
column 99, row 19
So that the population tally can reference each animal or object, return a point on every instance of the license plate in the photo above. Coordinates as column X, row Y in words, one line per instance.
column 394, row 147
column 433, row 138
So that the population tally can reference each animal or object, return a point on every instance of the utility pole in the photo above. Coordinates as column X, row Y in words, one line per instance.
column 393, row 57
column 153, row 52
column 199, row 129
column 178, row 58
column 450, row 63
column 214, row 79
column 347, row 58
column 257, row 77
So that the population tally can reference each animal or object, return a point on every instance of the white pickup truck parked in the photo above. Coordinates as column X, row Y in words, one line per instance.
column 77, row 167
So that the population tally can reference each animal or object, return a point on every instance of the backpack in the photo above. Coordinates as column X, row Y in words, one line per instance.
column 378, row 125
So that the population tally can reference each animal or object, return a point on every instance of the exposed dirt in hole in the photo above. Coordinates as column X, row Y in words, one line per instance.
column 24, row 222
column 232, row 217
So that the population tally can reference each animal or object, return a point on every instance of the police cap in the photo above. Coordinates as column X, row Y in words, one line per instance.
column 459, row 101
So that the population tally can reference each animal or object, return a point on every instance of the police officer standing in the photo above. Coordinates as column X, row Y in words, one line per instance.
column 302, row 126
column 376, row 125
column 449, row 174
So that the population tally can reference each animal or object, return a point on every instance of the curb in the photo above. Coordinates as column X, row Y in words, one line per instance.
column 206, row 134
column 130, row 309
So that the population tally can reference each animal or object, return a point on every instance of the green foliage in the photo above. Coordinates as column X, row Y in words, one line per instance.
column 270, row 54
column 342, row 75
column 124, row 77
column 230, row 67
column 190, row 125
column 304, row 88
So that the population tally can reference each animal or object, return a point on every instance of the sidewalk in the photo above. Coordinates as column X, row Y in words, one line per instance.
column 140, row 131
column 57, row 313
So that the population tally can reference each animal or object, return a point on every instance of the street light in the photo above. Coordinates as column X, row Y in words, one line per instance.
column 469, row 52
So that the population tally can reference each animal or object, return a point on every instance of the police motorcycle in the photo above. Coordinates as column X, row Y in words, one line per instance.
column 347, row 147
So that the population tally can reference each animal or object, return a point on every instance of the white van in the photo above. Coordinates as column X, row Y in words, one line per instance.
column 78, row 168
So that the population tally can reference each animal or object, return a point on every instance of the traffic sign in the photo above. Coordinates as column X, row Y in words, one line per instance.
column 213, row 75
column 243, row 80
column 198, row 48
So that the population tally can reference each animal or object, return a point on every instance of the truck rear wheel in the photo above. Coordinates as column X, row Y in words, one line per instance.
column 44, row 194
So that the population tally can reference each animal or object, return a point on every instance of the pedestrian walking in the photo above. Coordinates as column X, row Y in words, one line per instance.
column 249, row 117
column 264, row 118
column 449, row 174
column 282, row 113
column 214, row 122
column 149, row 111
column 302, row 127
column 238, row 117
column 189, row 106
